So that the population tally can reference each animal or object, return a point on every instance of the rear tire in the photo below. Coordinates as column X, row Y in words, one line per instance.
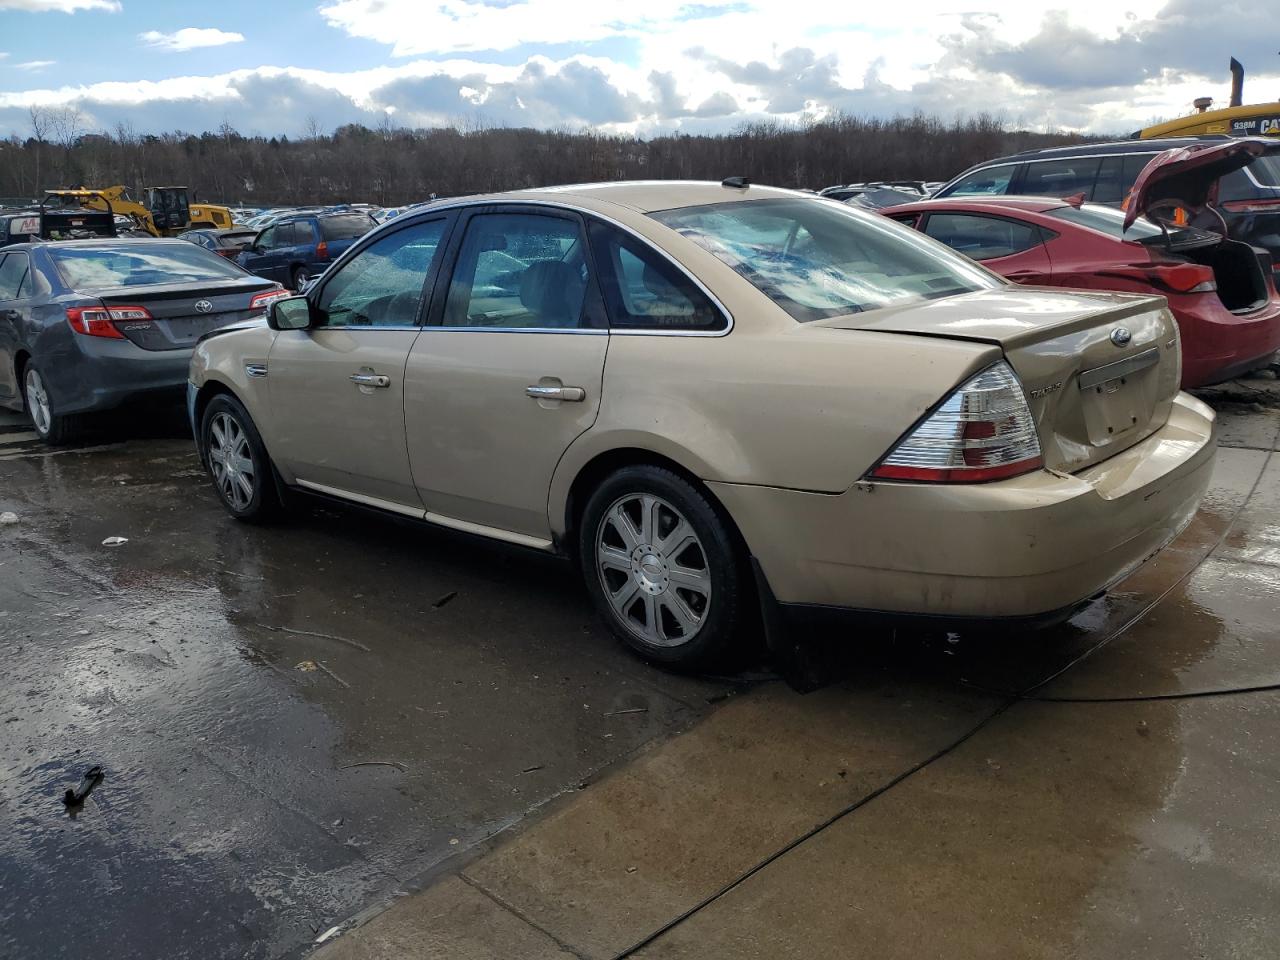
column 663, row 568
column 300, row 278
column 52, row 427
column 243, row 476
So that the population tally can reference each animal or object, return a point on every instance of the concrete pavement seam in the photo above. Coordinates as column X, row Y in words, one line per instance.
column 509, row 908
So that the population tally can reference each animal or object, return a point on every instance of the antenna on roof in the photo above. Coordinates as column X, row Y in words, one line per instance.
column 740, row 182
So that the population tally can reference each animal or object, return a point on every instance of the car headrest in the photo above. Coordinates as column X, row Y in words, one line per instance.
column 549, row 288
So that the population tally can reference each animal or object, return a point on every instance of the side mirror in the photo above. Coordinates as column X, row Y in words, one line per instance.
column 290, row 313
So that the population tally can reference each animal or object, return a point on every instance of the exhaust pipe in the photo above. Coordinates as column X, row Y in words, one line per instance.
column 1237, row 83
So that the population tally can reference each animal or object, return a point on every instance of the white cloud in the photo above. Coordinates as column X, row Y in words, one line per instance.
column 189, row 38
column 1104, row 66
column 60, row 6
column 34, row 64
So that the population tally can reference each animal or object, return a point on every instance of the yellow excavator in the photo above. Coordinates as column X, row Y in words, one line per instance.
column 165, row 213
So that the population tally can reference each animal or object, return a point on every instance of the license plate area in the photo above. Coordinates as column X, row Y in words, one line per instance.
column 1119, row 398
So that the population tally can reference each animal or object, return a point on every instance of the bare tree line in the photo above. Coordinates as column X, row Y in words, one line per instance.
column 391, row 165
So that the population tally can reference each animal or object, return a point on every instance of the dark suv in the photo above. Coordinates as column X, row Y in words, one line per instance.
column 1249, row 198
column 296, row 248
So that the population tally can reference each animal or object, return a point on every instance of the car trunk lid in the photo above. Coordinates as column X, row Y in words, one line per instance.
column 182, row 313
column 1188, row 176
column 1100, row 370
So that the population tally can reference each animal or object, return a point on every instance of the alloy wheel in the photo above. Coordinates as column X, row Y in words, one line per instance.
column 653, row 569
column 234, row 472
column 38, row 402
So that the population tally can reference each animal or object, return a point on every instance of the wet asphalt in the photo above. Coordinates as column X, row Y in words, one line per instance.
column 294, row 721
column 299, row 723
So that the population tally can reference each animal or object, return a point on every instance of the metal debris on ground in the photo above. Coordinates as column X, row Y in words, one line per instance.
column 114, row 541
column 619, row 713
column 377, row 763
column 92, row 777
column 8, row 517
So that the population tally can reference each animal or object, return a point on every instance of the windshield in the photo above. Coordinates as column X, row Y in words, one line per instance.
column 136, row 263
column 817, row 259
column 1110, row 220
column 346, row 226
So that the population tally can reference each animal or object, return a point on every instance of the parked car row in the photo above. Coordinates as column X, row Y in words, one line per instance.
column 727, row 404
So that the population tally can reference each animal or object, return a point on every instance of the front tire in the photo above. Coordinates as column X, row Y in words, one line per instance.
column 233, row 450
column 51, row 426
column 663, row 567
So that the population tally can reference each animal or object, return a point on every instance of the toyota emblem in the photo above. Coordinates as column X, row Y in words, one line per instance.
column 1121, row 336
column 206, row 306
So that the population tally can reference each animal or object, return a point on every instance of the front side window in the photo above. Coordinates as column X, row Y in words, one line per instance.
column 14, row 270
column 519, row 270
column 986, row 182
column 644, row 290
column 981, row 238
column 267, row 239
column 382, row 285
column 135, row 263
column 818, row 260
column 1060, row 178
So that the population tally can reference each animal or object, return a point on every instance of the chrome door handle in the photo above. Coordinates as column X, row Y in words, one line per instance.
column 570, row 394
column 371, row 380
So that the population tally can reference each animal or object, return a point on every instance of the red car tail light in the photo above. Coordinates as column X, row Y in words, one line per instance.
column 983, row 431
column 1178, row 277
column 101, row 321
column 261, row 301
column 322, row 250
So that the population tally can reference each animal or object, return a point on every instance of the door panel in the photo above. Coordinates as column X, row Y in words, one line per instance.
column 495, row 395
column 481, row 449
column 330, row 430
column 343, row 433
column 13, row 270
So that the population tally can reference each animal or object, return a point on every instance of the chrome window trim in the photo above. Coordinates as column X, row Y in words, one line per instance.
column 361, row 326
column 574, row 331
column 587, row 212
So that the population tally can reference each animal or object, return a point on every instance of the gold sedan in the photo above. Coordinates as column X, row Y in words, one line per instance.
column 716, row 397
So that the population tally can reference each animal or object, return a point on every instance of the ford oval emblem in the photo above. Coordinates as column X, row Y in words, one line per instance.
column 1121, row 336
column 206, row 306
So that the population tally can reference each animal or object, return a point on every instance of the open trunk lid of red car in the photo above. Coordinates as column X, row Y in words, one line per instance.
column 1100, row 370
column 1188, row 176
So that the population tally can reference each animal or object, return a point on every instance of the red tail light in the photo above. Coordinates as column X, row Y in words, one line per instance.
column 322, row 250
column 101, row 321
column 261, row 301
column 983, row 431
column 1178, row 277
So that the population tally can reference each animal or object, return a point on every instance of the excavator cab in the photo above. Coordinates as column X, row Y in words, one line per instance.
column 169, row 208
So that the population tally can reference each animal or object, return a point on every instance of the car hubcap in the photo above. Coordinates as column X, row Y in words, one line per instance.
column 232, row 461
column 653, row 570
column 38, row 402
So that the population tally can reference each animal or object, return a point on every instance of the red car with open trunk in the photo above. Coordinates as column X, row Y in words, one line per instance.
column 1221, row 291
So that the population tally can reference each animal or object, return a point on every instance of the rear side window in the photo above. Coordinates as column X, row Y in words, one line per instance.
column 14, row 270
column 1110, row 187
column 301, row 233
column 135, row 263
column 988, row 181
column 982, row 238
column 346, row 226
column 1060, row 178
column 644, row 290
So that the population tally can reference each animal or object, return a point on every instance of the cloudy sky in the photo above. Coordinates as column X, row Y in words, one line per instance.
column 273, row 66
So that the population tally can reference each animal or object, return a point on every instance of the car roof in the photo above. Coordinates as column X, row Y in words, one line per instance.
column 1101, row 149
column 1025, row 204
column 642, row 196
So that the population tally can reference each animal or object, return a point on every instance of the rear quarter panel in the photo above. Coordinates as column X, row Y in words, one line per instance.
column 804, row 408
